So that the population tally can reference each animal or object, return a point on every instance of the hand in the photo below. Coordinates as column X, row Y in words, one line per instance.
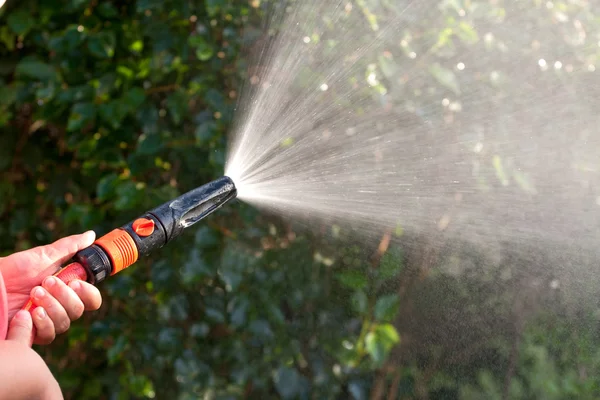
column 28, row 274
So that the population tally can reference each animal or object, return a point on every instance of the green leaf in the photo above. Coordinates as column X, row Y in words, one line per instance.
column 107, row 10
column 200, row 330
column 20, row 22
column 205, row 132
column 287, row 382
column 467, row 33
column 137, row 46
column 106, row 186
column 195, row 268
column 391, row 264
column 149, row 144
column 445, row 76
column 128, row 196
column 81, row 115
column 204, row 51
column 113, row 113
column 32, row 68
column 205, row 238
column 115, row 352
column 239, row 311
column 380, row 341
column 360, row 302
column 215, row 315
column 7, row 38
column 134, row 98
column 352, row 279
column 125, row 72
column 102, row 45
column 177, row 104
column 386, row 308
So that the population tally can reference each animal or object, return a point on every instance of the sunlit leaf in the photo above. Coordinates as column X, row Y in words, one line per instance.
column 352, row 279
column 380, row 341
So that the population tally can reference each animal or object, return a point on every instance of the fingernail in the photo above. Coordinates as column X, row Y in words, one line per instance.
column 89, row 234
column 42, row 313
column 39, row 293
column 75, row 285
column 22, row 314
column 50, row 281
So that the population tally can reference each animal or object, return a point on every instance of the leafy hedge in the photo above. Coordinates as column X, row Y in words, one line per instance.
column 108, row 108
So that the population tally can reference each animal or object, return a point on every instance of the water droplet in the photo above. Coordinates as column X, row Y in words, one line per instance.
column 591, row 67
column 337, row 370
column 462, row 12
column 557, row 65
column 372, row 79
column 324, row 87
column 80, row 28
column 306, row 39
column 456, row 106
column 460, row 66
column 445, row 102
column 412, row 54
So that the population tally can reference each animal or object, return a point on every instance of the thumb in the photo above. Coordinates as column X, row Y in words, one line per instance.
column 21, row 328
column 63, row 249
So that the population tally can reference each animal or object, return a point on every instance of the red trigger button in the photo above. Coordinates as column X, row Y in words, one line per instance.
column 143, row 227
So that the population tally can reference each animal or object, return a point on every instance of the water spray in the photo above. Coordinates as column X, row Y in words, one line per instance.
column 123, row 246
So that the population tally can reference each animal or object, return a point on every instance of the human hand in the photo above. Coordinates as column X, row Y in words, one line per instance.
column 28, row 274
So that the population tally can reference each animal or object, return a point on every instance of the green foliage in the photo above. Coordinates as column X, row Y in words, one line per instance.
column 108, row 108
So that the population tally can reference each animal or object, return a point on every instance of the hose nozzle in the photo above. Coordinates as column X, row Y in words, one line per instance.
column 123, row 246
column 194, row 206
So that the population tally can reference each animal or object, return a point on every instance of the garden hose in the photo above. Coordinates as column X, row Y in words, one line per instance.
column 123, row 246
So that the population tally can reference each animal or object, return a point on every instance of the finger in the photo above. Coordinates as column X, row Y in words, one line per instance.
column 63, row 249
column 55, row 310
column 45, row 332
column 88, row 293
column 66, row 296
column 21, row 328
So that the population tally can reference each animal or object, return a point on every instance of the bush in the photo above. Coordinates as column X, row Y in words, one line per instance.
column 108, row 108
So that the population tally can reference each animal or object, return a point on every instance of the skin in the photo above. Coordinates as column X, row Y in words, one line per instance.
column 23, row 373
column 27, row 274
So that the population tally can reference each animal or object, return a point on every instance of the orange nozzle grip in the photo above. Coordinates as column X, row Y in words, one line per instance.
column 120, row 248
